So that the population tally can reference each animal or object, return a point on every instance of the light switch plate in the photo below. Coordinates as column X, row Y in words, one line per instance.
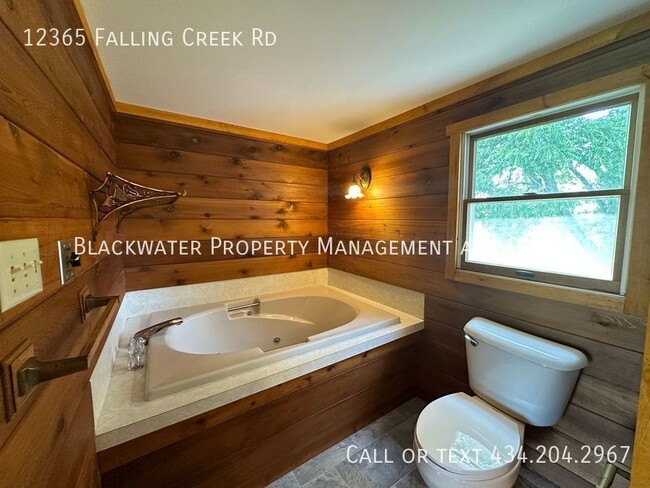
column 20, row 272
column 65, row 261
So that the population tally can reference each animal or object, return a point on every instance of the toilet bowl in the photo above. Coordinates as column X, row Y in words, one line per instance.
column 476, row 441
column 462, row 441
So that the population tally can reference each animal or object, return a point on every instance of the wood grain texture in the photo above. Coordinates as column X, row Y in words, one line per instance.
column 59, row 66
column 640, row 470
column 185, row 273
column 38, row 191
column 136, row 130
column 152, row 158
column 606, row 396
column 30, row 100
column 237, row 444
column 219, row 254
column 232, row 209
column 422, row 207
column 225, row 229
column 229, row 188
column 180, row 119
column 238, row 188
column 55, row 145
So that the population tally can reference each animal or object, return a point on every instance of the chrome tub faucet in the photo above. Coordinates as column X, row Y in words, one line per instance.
column 247, row 309
column 138, row 343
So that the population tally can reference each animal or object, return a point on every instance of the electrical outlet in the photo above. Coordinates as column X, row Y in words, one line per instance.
column 20, row 272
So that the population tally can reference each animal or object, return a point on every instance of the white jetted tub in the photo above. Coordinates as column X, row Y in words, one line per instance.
column 212, row 343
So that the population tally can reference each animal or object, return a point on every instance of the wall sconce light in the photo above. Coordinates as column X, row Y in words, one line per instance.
column 360, row 181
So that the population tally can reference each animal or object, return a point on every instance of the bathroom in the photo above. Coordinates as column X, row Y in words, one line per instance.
column 278, row 263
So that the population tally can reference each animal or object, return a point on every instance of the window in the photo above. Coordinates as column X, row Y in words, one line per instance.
column 546, row 198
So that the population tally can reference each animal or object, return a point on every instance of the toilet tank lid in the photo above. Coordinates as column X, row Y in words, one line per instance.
column 541, row 351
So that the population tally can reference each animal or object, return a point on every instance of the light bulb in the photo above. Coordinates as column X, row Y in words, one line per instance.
column 354, row 192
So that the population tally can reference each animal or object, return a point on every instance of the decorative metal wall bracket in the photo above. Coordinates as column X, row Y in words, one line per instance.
column 120, row 196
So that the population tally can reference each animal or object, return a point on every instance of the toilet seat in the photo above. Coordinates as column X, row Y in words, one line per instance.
column 469, row 438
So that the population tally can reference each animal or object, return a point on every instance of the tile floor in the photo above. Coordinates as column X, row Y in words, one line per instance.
column 391, row 434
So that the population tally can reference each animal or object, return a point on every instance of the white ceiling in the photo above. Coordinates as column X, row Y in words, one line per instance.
column 338, row 65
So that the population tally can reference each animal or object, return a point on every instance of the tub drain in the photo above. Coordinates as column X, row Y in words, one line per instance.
column 276, row 340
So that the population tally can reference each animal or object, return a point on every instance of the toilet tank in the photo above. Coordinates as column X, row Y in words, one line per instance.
column 526, row 376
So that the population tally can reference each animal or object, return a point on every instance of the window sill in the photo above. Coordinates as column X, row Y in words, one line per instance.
column 595, row 299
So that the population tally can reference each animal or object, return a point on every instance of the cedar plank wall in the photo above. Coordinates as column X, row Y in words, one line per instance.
column 56, row 144
column 408, row 200
column 237, row 188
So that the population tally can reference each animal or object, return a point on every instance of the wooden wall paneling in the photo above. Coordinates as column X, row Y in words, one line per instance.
column 57, row 64
column 217, row 208
column 640, row 471
column 237, row 187
column 237, row 449
column 433, row 383
column 592, row 430
column 422, row 207
column 447, row 336
column 86, row 60
column 186, row 273
column 134, row 130
column 213, row 125
column 432, row 263
column 73, row 466
column 613, row 328
column 49, row 438
column 55, row 144
column 164, row 160
column 34, row 456
column 638, row 285
column 326, row 429
column 417, row 158
column 49, row 118
column 422, row 182
column 590, row 470
column 395, row 274
column 53, row 186
column 226, row 229
column 63, row 15
column 137, row 261
column 230, row 188
column 56, row 321
column 445, row 361
column 418, row 230
column 607, row 399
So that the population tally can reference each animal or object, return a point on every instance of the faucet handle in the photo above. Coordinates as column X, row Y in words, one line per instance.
column 139, row 341
column 34, row 372
column 136, row 350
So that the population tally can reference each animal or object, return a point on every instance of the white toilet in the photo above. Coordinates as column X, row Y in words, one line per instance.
column 474, row 441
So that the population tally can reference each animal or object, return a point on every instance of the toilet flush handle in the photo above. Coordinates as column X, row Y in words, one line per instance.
column 471, row 340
